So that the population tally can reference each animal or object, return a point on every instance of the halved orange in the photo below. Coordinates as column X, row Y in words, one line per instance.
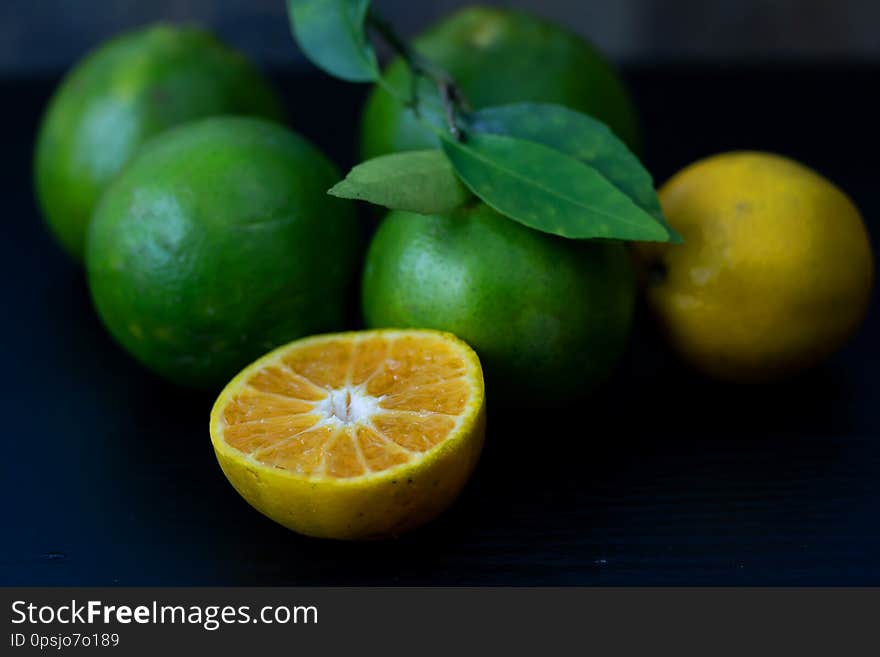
column 353, row 435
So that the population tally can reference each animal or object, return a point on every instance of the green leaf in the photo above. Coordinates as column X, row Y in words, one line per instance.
column 417, row 181
column 580, row 136
column 548, row 190
column 331, row 34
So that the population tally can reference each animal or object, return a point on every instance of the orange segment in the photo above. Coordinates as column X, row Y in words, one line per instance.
column 251, row 436
column 406, row 366
column 413, row 431
column 343, row 457
column 369, row 358
column 280, row 380
column 303, row 453
column 255, row 405
column 350, row 405
column 449, row 397
column 379, row 453
column 326, row 364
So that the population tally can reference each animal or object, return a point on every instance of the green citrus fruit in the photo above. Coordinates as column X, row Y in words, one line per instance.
column 549, row 317
column 499, row 56
column 127, row 90
column 217, row 243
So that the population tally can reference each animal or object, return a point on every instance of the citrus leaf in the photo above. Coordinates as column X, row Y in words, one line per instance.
column 580, row 136
column 548, row 190
column 331, row 34
column 417, row 181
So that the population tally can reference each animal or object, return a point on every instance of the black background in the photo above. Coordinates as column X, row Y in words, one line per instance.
column 108, row 476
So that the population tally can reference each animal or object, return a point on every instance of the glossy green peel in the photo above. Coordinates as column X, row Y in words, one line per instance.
column 498, row 56
column 549, row 317
column 129, row 89
column 218, row 243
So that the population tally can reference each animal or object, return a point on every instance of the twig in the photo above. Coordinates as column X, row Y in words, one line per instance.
column 451, row 96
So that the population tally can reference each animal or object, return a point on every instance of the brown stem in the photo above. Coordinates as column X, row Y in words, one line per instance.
column 450, row 95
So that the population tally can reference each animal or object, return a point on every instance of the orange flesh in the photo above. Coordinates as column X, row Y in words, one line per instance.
column 347, row 406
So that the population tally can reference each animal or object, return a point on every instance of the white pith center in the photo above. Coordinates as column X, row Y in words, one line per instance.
column 347, row 406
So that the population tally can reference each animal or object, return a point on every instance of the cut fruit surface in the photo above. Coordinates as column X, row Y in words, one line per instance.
column 353, row 435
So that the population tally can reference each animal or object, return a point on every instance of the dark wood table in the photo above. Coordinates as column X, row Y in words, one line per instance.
column 108, row 476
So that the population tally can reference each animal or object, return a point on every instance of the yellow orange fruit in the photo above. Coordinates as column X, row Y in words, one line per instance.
column 775, row 273
column 353, row 435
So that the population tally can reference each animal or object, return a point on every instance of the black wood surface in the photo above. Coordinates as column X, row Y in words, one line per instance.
column 661, row 478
